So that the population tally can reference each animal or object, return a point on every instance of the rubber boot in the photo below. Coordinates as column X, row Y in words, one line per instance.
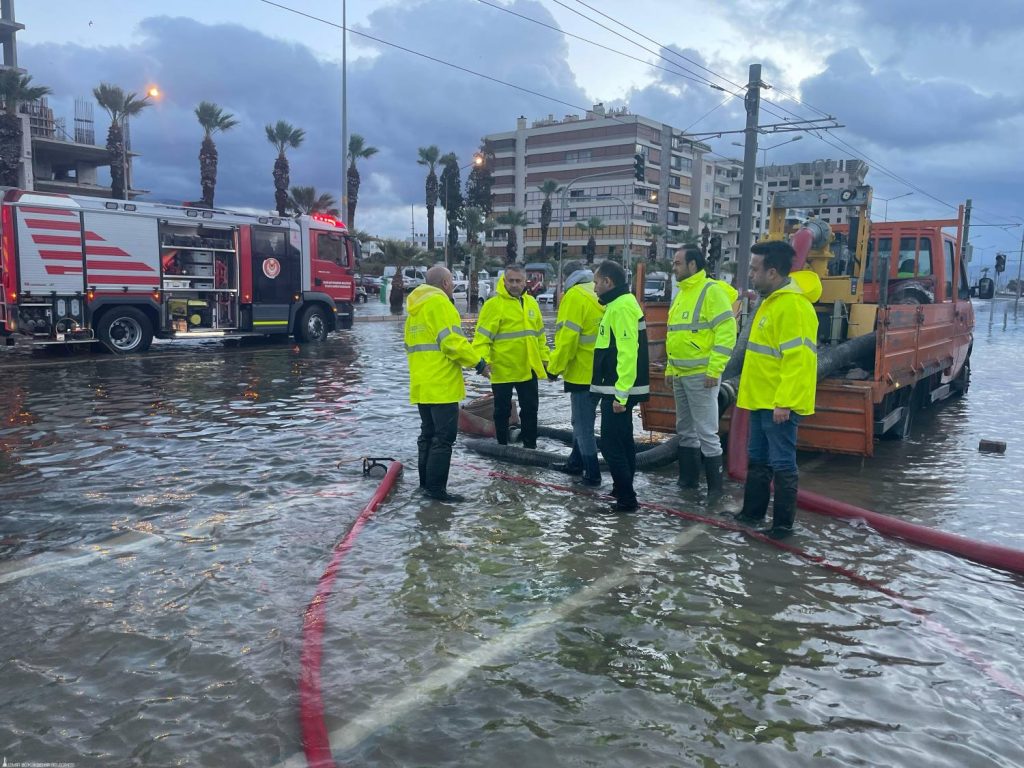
column 784, row 509
column 438, row 467
column 573, row 465
column 713, row 473
column 423, row 446
column 689, row 467
column 591, row 472
column 757, row 492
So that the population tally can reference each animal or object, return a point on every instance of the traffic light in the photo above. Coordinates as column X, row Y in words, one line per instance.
column 638, row 166
column 715, row 248
column 652, row 252
column 1000, row 262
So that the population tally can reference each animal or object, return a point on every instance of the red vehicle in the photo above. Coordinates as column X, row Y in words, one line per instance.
column 81, row 269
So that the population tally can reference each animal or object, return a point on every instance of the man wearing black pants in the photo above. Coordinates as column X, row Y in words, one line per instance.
column 620, row 378
column 529, row 399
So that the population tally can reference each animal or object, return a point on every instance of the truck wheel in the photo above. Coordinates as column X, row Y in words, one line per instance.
column 125, row 330
column 962, row 382
column 312, row 327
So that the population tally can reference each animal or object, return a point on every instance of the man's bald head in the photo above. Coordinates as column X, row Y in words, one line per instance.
column 440, row 277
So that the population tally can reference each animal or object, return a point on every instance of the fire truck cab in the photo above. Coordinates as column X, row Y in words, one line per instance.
column 80, row 269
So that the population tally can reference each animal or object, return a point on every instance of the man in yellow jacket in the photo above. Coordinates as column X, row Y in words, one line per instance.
column 510, row 338
column 700, row 338
column 437, row 352
column 579, row 315
column 778, row 383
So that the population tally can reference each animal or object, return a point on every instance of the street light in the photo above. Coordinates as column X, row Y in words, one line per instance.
column 478, row 160
column 152, row 92
column 885, row 214
column 762, row 223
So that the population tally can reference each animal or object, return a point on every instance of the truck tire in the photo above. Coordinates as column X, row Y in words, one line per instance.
column 125, row 330
column 312, row 326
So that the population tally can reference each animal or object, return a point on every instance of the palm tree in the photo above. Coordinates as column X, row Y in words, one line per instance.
column 120, row 106
column 15, row 88
column 213, row 119
column 593, row 225
column 283, row 135
column 305, row 200
column 428, row 157
column 450, row 197
column 356, row 149
column 656, row 231
column 549, row 187
column 512, row 219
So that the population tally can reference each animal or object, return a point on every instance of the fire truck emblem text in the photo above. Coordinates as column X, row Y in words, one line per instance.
column 271, row 268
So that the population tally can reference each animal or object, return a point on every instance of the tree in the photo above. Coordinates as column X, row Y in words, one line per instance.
column 593, row 225
column 283, row 135
column 305, row 200
column 473, row 220
column 512, row 219
column 213, row 119
column 656, row 231
column 450, row 197
column 548, row 188
column 120, row 106
column 15, row 88
column 428, row 157
column 481, row 180
column 357, row 149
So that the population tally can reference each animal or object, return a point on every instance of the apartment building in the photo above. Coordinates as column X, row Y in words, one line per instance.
column 820, row 174
column 593, row 160
column 729, row 174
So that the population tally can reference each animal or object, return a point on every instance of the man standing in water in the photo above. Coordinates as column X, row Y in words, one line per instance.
column 437, row 352
column 778, row 383
column 620, row 378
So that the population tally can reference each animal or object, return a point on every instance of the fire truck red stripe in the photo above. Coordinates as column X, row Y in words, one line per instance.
column 60, row 255
column 47, row 211
column 95, row 279
column 94, row 236
column 62, row 269
column 67, row 226
column 130, row 266
column 56, row 240
column 105, row 250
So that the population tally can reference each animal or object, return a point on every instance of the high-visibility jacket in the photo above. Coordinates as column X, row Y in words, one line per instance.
column 510, row 337
column 579, row 315
column 701, row 327
column 435, row 347
column 620, row 352
column 780, row 366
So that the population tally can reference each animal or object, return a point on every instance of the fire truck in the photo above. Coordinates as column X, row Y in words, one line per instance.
column 83, row 270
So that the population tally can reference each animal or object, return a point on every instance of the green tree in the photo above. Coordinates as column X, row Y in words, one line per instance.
column 428, row 157
column 548, row 188
column 357, row 149
column 120, row 106
column 306, row 200
column 512, row 219
column 592, row 226
column 474, row 222
column 213, row 119
column 283, row 135
column 481, row 180
column 15, row 88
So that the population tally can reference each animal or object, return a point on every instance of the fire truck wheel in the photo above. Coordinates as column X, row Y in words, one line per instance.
column 312, row 327
column 125, row 330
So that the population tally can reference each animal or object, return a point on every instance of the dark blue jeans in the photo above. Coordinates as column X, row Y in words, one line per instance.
column 772, row 444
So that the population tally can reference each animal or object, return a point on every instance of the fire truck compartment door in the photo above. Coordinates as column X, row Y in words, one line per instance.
column 122, row 252
column 50, row 250
column 276, row 273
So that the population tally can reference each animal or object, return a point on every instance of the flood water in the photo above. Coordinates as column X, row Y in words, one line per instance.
column 164, row 521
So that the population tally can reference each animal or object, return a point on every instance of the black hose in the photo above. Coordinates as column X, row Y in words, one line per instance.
column 648, row 456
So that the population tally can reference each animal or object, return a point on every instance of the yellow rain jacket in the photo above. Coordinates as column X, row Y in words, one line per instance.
column 579, row 315
column 435, row 347
column 701, row 327
column 510, row 337
column 780, row 367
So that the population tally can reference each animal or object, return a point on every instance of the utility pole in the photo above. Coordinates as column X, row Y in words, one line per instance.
column 1020, row 257
column 752, row 102
column 344, row 114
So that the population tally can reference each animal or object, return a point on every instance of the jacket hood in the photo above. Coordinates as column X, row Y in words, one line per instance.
column 804, row 281
column 421, row 295
column 579, row 276
column 501, row 290
column 731, row 292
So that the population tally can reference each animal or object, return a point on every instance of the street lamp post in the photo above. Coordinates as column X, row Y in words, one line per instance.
column 478, row 160
column 762, row 219
column 152, row 92
column 885, row 211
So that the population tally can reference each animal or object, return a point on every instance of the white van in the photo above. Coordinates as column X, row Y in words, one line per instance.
column 412, row 277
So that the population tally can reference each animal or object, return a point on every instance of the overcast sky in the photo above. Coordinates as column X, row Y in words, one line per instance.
column 929, row 89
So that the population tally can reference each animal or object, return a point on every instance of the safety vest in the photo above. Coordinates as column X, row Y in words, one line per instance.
column 435, row 347
column 780, row 366
column 701, row 327
column 620, row 352
column 510, row 337
column 579, row 316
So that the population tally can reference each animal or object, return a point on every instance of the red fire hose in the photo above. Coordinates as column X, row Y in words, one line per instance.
column 994, row 555
column 311, row 706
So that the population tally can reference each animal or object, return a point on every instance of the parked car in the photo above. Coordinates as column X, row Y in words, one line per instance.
column 547, row 298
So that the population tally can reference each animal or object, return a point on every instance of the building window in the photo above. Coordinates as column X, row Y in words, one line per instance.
column 576, row 192
column 828, row 181
column 578, row 156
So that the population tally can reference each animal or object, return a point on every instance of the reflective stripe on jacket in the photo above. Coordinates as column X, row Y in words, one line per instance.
column 620, row 353
column 701, row 327
column 780, row 366
column 579, row 316
column 510, row 337
column 435, row 347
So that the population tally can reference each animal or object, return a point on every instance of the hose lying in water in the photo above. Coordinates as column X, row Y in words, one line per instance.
column 993, row 555
column 648, row 456
column 315, row 741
